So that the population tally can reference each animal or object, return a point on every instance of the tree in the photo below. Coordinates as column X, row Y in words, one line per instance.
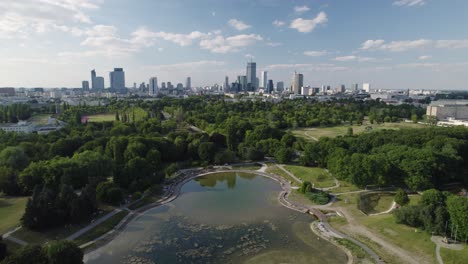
column 457, row 207
column 63, row 252
column 401, row 198
column 3, row 249
column 225, row 156
column 284, row 155
column 206, row 151
column 13, row 157
column 9, row 181
column 30, row 254
column 108, row 192
column 349, row 132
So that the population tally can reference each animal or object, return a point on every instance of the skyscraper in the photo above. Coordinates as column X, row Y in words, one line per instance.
column 153, row 86
column 93, row 79
column 263, row 80
column 269, row 88
column 297, row 83
column 355, row 87
column 226, row 84
column 242, row 80
column 117, row 81
column 251, row 76
column 99, row 83
column 280, row 87
column 188, row 83
column 85, row 85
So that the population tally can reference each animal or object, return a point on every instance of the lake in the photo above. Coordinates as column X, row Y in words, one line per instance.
column 221, row 218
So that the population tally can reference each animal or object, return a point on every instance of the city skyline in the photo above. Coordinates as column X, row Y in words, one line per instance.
column 394, row 44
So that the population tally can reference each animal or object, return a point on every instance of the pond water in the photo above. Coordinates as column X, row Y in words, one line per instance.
column 221, row 218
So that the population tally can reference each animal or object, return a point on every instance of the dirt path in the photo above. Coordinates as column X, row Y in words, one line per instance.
column 354, row 227
column 393, row 206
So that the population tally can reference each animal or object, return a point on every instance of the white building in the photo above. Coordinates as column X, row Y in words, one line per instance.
column 448, row 111
column 20, row 127
column 153, row 86
column 188, row 83
column 366, row 87
column 297, row 82
column 264, row 79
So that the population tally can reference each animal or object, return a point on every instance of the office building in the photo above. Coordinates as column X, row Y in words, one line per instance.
column 226, row 84
column 279, row 87
column 85, row 86
column 366, row 87
column 242, row 80
column 188, row 83
column 163, row 85
column 251, row 76
column 269, row 88
column 263, row 80
column 99, row 84
column 355, row 87
column 297, row 83
column 153, row 86
column 93, row 79
column 117, row 81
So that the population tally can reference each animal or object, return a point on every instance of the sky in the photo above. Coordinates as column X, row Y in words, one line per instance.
column 392, row 44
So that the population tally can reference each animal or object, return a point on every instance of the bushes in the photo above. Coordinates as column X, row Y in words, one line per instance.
column 316, row 196
column 57, row 252
column 401, row 198
column 110, row 193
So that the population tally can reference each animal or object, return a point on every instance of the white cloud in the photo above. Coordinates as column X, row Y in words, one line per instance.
column 220, row 44
column 409, row 3
column 372, row 44
column 418, row 65
column 313, row 53
column 308, row 25
column 395, row 46
column 354, row 58
column 239, row 25
column 424, row 57
column 279, row 23
column 398, row 46
column 452, row 44
column 249, row 56
column 307, row 67
column 192, row 66
column 301, row 9
column 19, row 19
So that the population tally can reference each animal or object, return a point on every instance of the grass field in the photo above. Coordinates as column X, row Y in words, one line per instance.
column 372, row 203
column 11, row 211
column 316, row 133
column 101, row 229
column 450, row 256
column 100, row 118
column 317, row 176
column 384, row 226
column 273, row 169
column 345, row 187
column 39, row 119
column 247, row 167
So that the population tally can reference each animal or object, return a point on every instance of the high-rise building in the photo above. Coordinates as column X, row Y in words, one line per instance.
column 242, row 80
column 280, row 87
column 99, row 83
column 188, row 83
column 117, row 81
column 366, row 87
column 153, row 86
column 85, row 85
column 251, row 76
column 297, row 83
column 226, row 84
column 341, row 89
column 93, row 79
column 163, row 85
column 355, row 87
column 263, row 80
column 269, row 88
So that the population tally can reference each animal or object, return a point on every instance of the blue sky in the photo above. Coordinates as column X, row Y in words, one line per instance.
column 393, row 44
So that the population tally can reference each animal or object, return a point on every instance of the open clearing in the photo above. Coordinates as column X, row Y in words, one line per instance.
column 450, row 256
column 316, row 133
column 319, row 177
column 39, row 119
column 100, row 118
column 11, row 211
column 372, row 203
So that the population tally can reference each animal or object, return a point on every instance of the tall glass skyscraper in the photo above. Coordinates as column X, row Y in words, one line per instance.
column 252, row 76
column 117, row 80
column 153, row 86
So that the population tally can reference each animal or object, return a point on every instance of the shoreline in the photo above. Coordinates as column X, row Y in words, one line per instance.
column 174, row 192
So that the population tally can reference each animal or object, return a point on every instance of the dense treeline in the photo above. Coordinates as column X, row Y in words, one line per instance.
column 56, row 252
column 15, row 112
column 417, row 158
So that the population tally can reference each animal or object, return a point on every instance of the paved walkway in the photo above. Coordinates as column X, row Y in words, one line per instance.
column 289, row 173
column 8, row 236
column 392, row 207
column 93, row 224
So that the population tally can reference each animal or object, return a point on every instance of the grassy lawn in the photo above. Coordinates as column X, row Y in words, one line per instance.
column 372, row 203
column 145, row 201
column 39, row 119
column 450, row 256
column 101, row 229
column 101, row 118
column 247, row 167
column 279, row 172
column 318, row 176
column 11, row 211
column 316, row 133
column 345, row 187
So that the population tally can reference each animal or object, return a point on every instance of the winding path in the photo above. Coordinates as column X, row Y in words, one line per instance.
column 173, row 192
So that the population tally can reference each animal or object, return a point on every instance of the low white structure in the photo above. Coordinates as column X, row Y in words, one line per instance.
column 20, row 127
